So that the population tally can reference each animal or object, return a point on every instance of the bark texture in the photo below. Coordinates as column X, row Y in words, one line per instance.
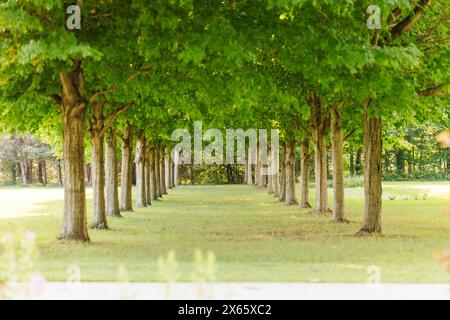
column 140, row 173
column 276, row 174
column 30, row 171
column 176, row 167
column 249, row 168
column 59, row 173
column 42, row 172
column 304, row 201
column 158, row 173
column 290, row 173
column 112, row 183
column 320, row 127
column 162, row 171
column 126, row 202
column 358, row 162
column 337, row 132
column 148, row 191
column 88, row 170
column 98, row 182
column 282, row 196
column 372, row 172
column 23, row 172
column 171, row 171
column 258, row 171
column 270, row 184
column 167, row 169
column 97, row 134
column 262, row 178
column 73, row 105
column 153, row 188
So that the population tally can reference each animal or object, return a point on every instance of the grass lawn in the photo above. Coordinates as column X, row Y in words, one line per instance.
column 253, row 237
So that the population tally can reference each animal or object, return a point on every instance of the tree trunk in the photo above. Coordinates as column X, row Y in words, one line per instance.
column 162, row 171
column 167, row 169
column 358, row 165
column 40, row 175
column 88, row 171
column 172, row 171
column 59, row 173
column 176, row 169
column 413, row 161
column 400, row 161
column 112, row 184
column 23, row 172
column 30, row 171
column 305, row 175
column 140, row 173
column 74, row 225
column 319, row 133
column 13, row 168
column 321, row 174
column 259, row 178
column 270, row 184
column 19, row 169
column 290, row 173
column 372, row 173
column 98, row 182
column 448, row 161
column 337, row 132
column 148, row 191
column 158, row 173
column 275, row 171
column 192, row 168
column 283, row 175
column 249, row 168
column 246, row 174
column 153, row 187
column 126, row 203
column 44, row 173
column 352, row 164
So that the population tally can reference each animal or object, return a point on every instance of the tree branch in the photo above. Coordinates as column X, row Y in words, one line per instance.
column 115, row 88
column 350, row 134
column 302, row 126
column 110, row 120
column 410, row 20
column 392, row 20
column 437, row 91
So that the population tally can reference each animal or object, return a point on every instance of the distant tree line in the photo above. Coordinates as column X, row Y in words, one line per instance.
column 25, row 160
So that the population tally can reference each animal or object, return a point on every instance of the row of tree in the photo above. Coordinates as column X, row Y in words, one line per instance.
column 307, row 68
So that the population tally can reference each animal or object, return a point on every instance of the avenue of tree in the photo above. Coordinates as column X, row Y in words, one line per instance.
column 138, row 70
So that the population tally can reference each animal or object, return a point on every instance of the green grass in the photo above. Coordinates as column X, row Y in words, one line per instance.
column 253, row 237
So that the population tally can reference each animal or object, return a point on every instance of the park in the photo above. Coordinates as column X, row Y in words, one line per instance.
column 190, row 142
